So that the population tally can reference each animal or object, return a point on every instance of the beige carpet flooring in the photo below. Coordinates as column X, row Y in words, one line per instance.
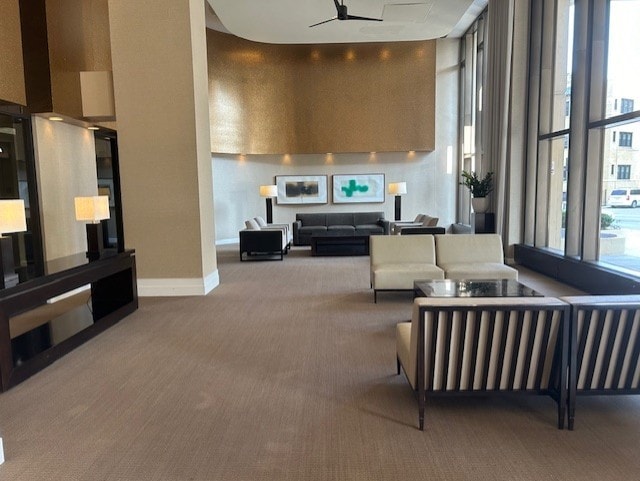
column 286, row 371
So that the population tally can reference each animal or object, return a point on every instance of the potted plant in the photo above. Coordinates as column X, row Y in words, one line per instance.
column 479, row 189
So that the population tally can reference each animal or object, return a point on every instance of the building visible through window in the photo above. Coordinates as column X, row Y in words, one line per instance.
column 626, row 139
column 626, row 106
column 624, row 172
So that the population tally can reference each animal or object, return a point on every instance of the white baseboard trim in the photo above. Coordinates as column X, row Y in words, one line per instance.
column 1, row 452
column 178, row 287
column 223, row 242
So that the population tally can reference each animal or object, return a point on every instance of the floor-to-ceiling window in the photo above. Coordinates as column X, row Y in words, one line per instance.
column 587, row 153
column 472, row 80
column 553, row 123
column 620, row 196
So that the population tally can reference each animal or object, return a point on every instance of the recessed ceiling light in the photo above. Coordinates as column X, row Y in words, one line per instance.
column 56, row 119
column 93, row 127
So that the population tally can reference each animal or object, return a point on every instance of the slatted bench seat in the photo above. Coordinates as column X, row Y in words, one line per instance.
column 486, row 345
column 605, row 346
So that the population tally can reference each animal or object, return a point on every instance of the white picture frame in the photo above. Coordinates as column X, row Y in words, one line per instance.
column 358, row 188
column 302, row 189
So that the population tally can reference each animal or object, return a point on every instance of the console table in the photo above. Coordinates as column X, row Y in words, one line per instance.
column 44, row 318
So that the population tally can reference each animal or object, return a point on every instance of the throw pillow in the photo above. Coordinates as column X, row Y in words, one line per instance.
column 260, row 221
column 429, row 221
column 252, row 224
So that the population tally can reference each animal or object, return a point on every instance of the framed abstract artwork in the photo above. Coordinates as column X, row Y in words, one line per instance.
column 358, row 188
column 302, row 189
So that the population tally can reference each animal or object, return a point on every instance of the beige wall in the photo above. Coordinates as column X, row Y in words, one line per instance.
column 66, row 168
column 78, row 36
column 159, row 68
column 12, row 87
column 431, row 177
column 277, row 99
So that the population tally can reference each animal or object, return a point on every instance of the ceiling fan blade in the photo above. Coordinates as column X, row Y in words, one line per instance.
column 356, row 17
column 324, row 21
column 337, row 4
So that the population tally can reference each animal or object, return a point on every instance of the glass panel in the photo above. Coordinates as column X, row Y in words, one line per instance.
column 623, row 65
column 557, row 192
column 59, row 319
column 16, row 182
column 104, row 164
column 620, row 219
column 555, row 94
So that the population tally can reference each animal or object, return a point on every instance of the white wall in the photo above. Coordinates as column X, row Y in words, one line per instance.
column 66, row 168
column 431, row 177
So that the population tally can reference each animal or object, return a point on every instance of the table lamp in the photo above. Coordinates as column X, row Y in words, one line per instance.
column 12, row 219
column 93, row 210
column 398, row 189
column 269, row 191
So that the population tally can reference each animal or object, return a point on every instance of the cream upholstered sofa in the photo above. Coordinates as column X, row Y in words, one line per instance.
column 472, row 256
column 397, row 261
column 421, row 220
column 483, row 345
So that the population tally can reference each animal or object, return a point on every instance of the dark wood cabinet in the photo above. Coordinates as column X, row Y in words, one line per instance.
column 483, row 223
column 47, row 317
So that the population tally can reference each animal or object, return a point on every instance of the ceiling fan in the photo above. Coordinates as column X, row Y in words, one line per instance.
column 343, row 15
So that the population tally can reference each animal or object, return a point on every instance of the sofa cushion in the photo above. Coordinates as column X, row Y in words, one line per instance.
column 312, row 219
column 369, row 229
column 362, row 218
column 397, row 249
column 251, row 224
column 465, row 248
column 340, row 219
column 478, row 270
column 341, row 229
column 312, row 230
column 402, row 275
column 428, row 221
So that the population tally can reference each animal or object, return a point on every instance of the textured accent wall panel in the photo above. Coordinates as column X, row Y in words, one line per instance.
column 78, row 35
column 270, row 99
column 12, row 87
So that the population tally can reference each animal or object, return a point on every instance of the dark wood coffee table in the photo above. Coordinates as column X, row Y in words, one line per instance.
column 472, row 288
column 340, row 245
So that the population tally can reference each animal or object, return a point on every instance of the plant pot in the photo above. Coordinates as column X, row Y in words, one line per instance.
column 480, row 204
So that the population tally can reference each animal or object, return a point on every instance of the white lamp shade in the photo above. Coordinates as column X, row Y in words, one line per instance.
column 398, row 188
column 12, row 218
column 92, row 209
column 268, row 191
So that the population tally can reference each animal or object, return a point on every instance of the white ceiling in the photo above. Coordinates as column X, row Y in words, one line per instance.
column 288, row 21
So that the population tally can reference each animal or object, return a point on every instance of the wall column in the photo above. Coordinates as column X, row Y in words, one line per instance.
column 158, row 50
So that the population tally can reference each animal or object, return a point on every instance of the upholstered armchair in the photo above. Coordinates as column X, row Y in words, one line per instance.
column 285, row 227
column 259, row 243
column 421, row 220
